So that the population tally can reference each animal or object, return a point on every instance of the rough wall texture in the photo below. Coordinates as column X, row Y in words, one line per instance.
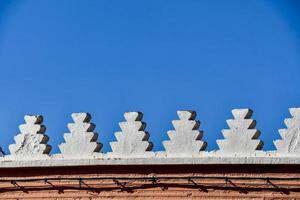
column 157, row 182
column 241, row 139
column 240, row 169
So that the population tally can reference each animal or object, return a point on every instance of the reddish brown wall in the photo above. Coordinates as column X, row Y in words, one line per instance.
column 180, row 188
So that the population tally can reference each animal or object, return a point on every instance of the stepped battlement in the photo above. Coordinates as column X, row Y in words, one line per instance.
column 241, row 143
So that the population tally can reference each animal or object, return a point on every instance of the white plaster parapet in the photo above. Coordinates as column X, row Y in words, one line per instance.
column 82, row 140
column 290, row 142
column 213, row 159
column 132, row 141
column 32, row 141
column 185, row 140
column 241, row 137
column 240, row 146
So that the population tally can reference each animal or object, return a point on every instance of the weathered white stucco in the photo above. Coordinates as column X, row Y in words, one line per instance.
column 242, row 135
column 290, row 142
column 240, row 146
column 31, row 141
column 132, row 141
column 81, row 141
column 186, row 138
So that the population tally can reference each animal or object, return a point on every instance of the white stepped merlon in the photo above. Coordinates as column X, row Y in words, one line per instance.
column 242, row 136
column 81, row 141
column 185, row 147
column 185, row 140
column 132, row 141
column 290, row 142
column 31, row 141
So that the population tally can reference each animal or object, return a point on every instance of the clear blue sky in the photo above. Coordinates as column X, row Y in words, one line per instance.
column 108, row 57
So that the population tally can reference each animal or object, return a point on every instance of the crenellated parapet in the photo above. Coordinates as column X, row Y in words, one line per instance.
column 32, row 141
column 241, row 143
column 241, row 137
column 185, row 140
column 82, row 140
column 133, row 139
column 290, row 142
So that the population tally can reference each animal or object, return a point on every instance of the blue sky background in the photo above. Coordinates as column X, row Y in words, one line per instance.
column 108, row 57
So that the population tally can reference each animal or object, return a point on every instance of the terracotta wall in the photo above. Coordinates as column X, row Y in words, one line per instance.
column 137, row 182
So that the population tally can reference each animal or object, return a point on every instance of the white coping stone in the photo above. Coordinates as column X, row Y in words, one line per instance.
column 81, row 141
column 158, row 159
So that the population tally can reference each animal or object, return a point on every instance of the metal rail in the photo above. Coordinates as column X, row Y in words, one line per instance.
column 153, row 178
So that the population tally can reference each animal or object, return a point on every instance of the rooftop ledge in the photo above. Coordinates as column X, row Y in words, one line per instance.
column 213, row 159
column 241, row 143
